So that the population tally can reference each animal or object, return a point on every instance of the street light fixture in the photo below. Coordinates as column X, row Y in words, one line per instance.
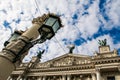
column 47, row 30
column 14, row 36
column 51, row 25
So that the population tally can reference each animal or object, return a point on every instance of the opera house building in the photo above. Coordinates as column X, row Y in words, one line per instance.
column 103, row 65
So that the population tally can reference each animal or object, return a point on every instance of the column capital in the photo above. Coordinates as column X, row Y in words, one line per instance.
column 69, row 75
column 119, row 68
column 97, row 68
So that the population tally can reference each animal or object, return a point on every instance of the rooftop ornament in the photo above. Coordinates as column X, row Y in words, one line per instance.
column 102, row 42
column 39, row 55
column 71, row 48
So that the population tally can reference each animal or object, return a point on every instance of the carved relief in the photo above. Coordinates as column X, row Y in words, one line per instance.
column 43, row 65
column 67, row 61
column 82, row 61
column 64, row 62
column 15, row 48
column 70, row 61
column 23, row 65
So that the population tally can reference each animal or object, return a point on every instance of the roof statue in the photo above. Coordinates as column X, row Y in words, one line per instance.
column 102, row 42
column 40, row 53
column 71, row 48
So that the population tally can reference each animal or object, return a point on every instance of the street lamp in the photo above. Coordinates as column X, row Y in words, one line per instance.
column 46, row 25
column 51, row 25
column 14, row 36
column 47, row 30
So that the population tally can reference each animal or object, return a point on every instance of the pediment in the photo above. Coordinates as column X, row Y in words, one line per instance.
column 66, row 60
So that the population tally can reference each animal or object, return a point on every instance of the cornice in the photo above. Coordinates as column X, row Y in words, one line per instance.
column 69, row 55
column 106, row 60
column 65, row 68
column 68, row 72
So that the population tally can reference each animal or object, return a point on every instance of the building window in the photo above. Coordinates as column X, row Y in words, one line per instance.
column 111, row 78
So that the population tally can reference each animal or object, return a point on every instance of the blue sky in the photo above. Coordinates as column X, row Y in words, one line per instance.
column 85, row 22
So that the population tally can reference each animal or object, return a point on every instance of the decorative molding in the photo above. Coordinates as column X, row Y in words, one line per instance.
column 97, row 68
column 119, row 68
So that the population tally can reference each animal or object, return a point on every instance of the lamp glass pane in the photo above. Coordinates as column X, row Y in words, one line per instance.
column 46, row 29
column 50, row 21
column 56, row 26
column 14, row 36
column 49, row 35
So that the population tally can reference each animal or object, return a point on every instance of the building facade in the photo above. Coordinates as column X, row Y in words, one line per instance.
column 104, row 65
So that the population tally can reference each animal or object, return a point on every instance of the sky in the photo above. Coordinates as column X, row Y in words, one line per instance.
column 85, row 22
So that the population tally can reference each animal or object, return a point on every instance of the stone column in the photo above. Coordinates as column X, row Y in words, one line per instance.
column 80, row 77
column 63, row 77
column 44, row 78
column 39, row 78
column 68, row 77
column 98, row 75
column 48, row 78
column 88, row 78
column 54, row 77
column 93, row 76
column 25, row 77
column 9, row 78
column 60, row 78
column 19, row 77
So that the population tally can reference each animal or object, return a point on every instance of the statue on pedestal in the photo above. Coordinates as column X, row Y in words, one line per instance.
column 102, row 42
column 40, row 54
column 71, row 48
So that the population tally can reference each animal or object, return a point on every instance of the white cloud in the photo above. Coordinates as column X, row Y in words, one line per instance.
column 113, row 13
column 89, row 24
column 4, row 36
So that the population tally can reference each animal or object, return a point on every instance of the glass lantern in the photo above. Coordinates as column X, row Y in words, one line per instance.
column 14, row 36
column 50, row 27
